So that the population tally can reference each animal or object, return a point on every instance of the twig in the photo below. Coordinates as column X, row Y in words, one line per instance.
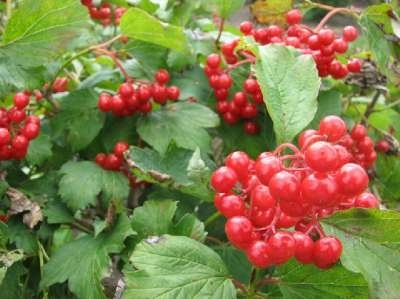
column 371, row 106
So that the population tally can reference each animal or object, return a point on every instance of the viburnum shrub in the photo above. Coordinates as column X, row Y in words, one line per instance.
column 264, row 197
column 174, row 149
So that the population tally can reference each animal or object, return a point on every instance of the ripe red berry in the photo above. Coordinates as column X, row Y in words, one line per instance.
column 5, row 136
column 224, row 179
column 213, row 60
column 327, row 251
column 105, row 103
column 284, row 186
column 238, row 161
column 60, row 84
column 321, row 156
column 246, row 27
column 257, row 254
column 232, row 205
column 266, row 167
column 293, row 17
column 162, row 76
column 319, row 189
column 350, row 33
column 261, row 197
column 250, row 85
column 304, row 248
column 354, row 65
column 120, row 147
column 358, row 132
column 20, row 143
column 126, row 90
column 282, row 247
column 333, row 127
column 112, row 162
column 239, row 230
column 31, row 130
column 21, row 100
column 173, row 92
column 100, row 158
column 383, row 146
column 326, row 36
column 352, row 179
column 366, row 200
column 251, row 127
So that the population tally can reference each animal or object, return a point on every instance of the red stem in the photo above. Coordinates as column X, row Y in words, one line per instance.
column 284, row 146
column 331, row 14
column 239, row 63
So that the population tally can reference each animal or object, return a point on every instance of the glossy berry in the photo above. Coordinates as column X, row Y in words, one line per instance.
column 352, row 179
column 293, row 17
column 21, row 100
column 366, row 200
column 239, row 230
column 282, row 247
column 261, row 197
column 284, row 186
column 162, row 76
column 5, row 136
column 354, row 65
column 120, row 147
column 326, row 252
column 333, row 127
column 304, row 248
column 213, row 61
column 266, row 167
column 232, row 205
column 321, row 156
column 224, row 179
column 350, row 33
column 238, row 161
column 246, row 27
column 257, row 254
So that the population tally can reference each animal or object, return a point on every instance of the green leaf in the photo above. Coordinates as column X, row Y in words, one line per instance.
column 23, row 238
column 4, row 235
column 236, row 262
column 79, row 118
column 11, row 287
column 290, row 86
column 378, row 45
column 7, row 259
column 154, row 217
column 189, row 225
column 81, row 182
column 306, row 281
column 224, row 8
column 39, row 150
column 197, row 271
column 367, row 237
column 182, row 122
column 171, row 170
column 85, row 261
column 136, row 23
column 329, row 103
column 37, row 32
column 388, row 178
column 57, row 212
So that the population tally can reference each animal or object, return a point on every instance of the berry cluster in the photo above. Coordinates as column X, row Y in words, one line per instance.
column 17, row 128
column 106, row 13
column 263, row 197
column 243, row 104
column 323, row 44
column 130, row 98
column 115, row 161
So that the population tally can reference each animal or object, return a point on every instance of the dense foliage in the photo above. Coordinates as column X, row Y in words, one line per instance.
column 164, row 149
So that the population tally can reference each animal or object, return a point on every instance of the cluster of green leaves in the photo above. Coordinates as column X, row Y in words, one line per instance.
column 162, row 236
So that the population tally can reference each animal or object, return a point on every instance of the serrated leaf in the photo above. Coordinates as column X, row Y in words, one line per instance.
column 40, row 149
column 182, row 122
column 154, row 217
column 190, row 226
column 306, row 281
column 37, row 32
column 197, row 272
column 79, row 118
column 135, row 23
column 57, row 212
column 81, row 182
column 85, row 261
column 224, row 8
column 290, row 86
column 367, row 249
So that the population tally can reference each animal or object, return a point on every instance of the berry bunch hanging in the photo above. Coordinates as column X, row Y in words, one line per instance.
column 262, row 198
column 17, row 128
column 105, row 13
column 322, row 43
column 132, row 98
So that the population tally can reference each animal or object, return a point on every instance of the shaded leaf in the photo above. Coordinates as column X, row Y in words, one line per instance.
column 40, row 149
column 290, row 86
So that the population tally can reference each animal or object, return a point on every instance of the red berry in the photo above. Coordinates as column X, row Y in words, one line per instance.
column 5, row 136
column 20, row 143
column 31, row 130
column 293, row 17
column 251, row 85
column 224, row 179
column 333, row 127
column 266, row 167
column 282, row 247
column 232, row 205
column 261, row 197
column 284, row 186
column 60, row 84
column 126, row 90
column 162, row 76
column 307, row 136
column 352, row 179
column 304, row 248
column 326, row 252
column 105, row 102
column 340, row 46
column 350, row 33
column 21, row 100
column 173, row 93
column 257, row 254
column 354, row 65
column 358, row 132
column 112, row 162
column 246, row 27
column 100, row 158
column 366, row 200
column 326, row 36
column 239, row 162
column 120, row 147
column 251, row 127
column 319, row 189
column 321, row 156
column 239, row 230
column 224, row 81
column 383, row 146
column 213, row 60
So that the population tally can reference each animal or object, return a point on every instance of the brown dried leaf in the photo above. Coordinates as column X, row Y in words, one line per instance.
column 20, row 203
